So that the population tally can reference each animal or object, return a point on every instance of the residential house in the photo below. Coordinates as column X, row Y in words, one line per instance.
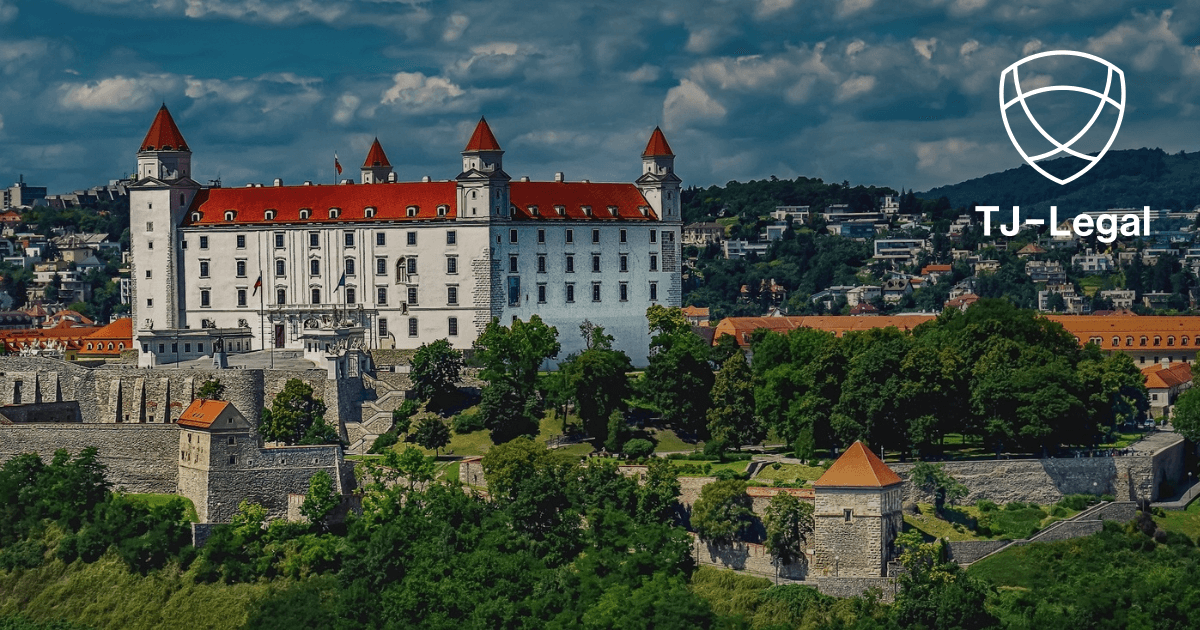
column 1164, row 383
column 798, row 214
column 1046, row 271
column 934, row 273
column 1073, row 303
column 900, row 251
column 1091, row 262
column 961, row 302
column 1121, row 298
column 861, row 294
column 696, row 315
column 703, row 234
column 894, row 289
column 1031, row 250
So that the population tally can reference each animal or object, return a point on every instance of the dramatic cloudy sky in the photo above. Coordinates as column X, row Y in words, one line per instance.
column 892, row 92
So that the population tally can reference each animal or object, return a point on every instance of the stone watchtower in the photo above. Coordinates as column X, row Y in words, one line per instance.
column 215, row 438
column 857, row 515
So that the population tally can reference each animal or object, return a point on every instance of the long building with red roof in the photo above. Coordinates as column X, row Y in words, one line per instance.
column 384, row 263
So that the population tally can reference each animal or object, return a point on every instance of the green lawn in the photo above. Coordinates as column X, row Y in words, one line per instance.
column 738, row 467
column 1091, row 284
column 1185, row 521
column 790, row 472
column 189, row 512
column 959, row 523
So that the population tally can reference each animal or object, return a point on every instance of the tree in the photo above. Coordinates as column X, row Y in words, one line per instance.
column 435, row 372
column 320, row 502
column 297, row 417
column 506, row 414
column 934, row 478
column 722, row 513
column 657, row 498
column 678, row 370
column 432, row 433
column 505, row 464
column 789, row 524
column 731, row 417
column 511, row 358
column 211, row 389
column 1187, row 414
column 596, row 381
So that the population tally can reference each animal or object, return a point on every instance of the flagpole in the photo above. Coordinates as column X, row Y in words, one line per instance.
column 262, row 320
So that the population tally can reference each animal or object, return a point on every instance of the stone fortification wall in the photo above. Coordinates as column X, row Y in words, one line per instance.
column 140, row 458
column 968, row 551
column 66, row 411
column 743, row 556
column 1045, row 481
column 854, row 586
column 268, row 477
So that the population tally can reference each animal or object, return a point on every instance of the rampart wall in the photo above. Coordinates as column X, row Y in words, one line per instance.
column 139, row 457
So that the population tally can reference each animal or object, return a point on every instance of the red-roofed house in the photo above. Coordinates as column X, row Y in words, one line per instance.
column 856, row 515
column 330, row 269
column 1164, row 383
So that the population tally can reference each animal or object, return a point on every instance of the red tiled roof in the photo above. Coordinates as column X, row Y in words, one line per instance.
column 163, row 134
column 863, row 307
column 575, row 196
column 69, row 315
column 376, row 156
column 657, row 145
column 742, row 327
column 934, row 269
column 482, row 139
column 694, row 311
column 965, row 299
column 391, row 202
column 202, row 413
column 858, row 467
column 1158, row 377
column 1032, row 248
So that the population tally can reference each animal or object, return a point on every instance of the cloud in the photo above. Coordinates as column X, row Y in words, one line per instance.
column 119, row 93
column 347, row 104
column 847, row 8
column 416, row 93
column 645, row 74
column 855, row 86
column 455, row 25
column 688, row 103
column 768, row 8
column 925, row 47
column 8, row 11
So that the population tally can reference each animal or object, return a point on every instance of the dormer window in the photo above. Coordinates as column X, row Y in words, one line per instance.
column 512, row 211
column 442, row 210
column 645, row 210
column 196, row 217
column 230, row 215
column 269, row 215
column 612, row 210
column 533, row 211
column 560, row 210
column 412, row 211
column 369, row 212
column 587, row 211
column 334, row 212
column 305, row 213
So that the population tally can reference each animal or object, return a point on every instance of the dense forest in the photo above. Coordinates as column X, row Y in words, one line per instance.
column 1130, row 178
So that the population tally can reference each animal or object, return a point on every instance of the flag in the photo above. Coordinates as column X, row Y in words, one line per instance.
column 337, row 165
column 257, row 284
column 341, row 283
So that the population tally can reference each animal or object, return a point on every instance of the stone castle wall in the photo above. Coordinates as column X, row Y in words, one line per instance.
column 66, row 411
column 744, row 556
column 267, row 477
column 139, row 457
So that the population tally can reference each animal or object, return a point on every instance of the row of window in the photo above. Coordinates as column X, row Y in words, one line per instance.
column 187, row 347
column 306, row 213
column 348, row 239
column 569, row 267
column 404, row 267
column 1144, row 340
column 569, row 236
column 414, row 327
column 381, row 295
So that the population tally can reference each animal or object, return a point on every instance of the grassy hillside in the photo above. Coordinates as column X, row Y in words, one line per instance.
column 1123, row 179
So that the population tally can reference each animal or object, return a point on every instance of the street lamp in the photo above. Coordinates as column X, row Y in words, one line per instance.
column 835, row 566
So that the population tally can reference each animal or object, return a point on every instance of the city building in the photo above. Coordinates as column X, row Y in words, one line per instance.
column 703, row 234
column 1164, row 383
column 20, row 195
column 335, row 268
column 1091, row 262
column 856, row 515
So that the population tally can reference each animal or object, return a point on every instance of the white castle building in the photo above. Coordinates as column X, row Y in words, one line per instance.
column 388, row 264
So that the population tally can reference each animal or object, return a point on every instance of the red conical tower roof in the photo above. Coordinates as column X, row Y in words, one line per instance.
column 163, row 134
column 482, row 139
column 657, row 145
column 858, row 467
column 376, row 156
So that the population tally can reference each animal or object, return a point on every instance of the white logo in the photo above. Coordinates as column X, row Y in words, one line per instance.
column 1104, row 99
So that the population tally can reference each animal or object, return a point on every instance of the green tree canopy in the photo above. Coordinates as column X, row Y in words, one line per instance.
column 732, row 418
column 296, row 416
column 596, row 381
column 435, row 372
column 722, row 513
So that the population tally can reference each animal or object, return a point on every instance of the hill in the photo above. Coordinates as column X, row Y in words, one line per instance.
column 1123, row 179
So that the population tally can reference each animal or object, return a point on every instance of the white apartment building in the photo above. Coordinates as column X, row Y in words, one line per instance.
column 385, row 264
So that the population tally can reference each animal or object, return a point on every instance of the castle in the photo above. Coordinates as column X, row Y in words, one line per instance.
column 856, row 515
column 386, row 264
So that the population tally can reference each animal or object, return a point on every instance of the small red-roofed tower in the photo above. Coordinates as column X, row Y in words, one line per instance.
column 659, row 183
column 159, row 197
column 376, row 169
column 483, row 184
column 856, row 516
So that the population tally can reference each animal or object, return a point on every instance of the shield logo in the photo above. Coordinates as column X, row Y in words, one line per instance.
column 1115, row 78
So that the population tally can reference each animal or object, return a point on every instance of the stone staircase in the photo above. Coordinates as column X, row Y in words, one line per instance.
column 376, row 414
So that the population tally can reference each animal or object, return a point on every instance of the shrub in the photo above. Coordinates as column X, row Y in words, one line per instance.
column 1015, row 506
column 986, row 506
column 465, row 423
column 1179, row 538
column 384, row 442
column 638, row 448
column 1107, row 497
column 726, row 475
column 776, row 466
column 715, row 449
column 407, row 408
column 24, row 554
column 1077, row 502
column 1058, row 511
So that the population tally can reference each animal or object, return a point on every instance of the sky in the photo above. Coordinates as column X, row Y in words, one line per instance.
column 887, row 92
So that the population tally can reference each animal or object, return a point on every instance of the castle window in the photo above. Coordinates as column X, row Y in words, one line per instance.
column 369, row 212
column 570, row 264
column 241, row 269
column 348, row 238
column 279, row 240
column 512, row 264
column 1129, row 341
column 351, row 296
column 1171, row 340
column 587, row 211
column 233, row 460
column 570, row 238
column 381, row 267
column 1144, row 340
column 383, row 329
column 1183, row 341
column 541, row 236
column 451, row 265
column 541, row 288
column 541, row 262
column 411, row 238
column 512, row 236
column 623, row 236
column 453, row 326
column 596, row 263
column 451, row 237
column 305, row 213
column 314, row 239
column 560, row 210
column 380, row 239
column 412, row 211
column 570, row 293
column 149, row 226
column 204, row 299
column 412, row 295
column 203, row 242
column 624, row 263
column 412, row 265
column 612, row 210
column 230, row 215
column 442, row 210
column 280, row 296
column 654, row 263
column 232, row 441
column 314, row 267
column 653, row 291
column 595, row 291
column 624, row 292
column 334, row 212
column 595, row 236
column 241, row 297
column 847, row 513
column 195, row 217
column 316, row 296
column 269, row 215
column 203, row 268
column 412, row 326
column 350, row 267
column 533, row 211
column 653, row 236
column 645, row 210
column 1157, row 340
column 280, row 268
column 452, row 295
column 381, row 297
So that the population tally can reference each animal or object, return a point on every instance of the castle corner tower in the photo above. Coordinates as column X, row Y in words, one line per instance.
column 857, row 514
column 483, row 185
column 376, row 169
